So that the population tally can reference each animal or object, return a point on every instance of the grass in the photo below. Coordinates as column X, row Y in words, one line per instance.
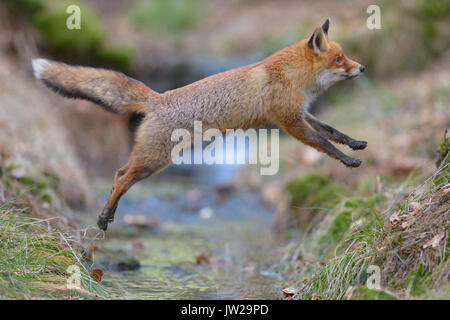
column 404, row 230
column 36, row 258
column 39, row 248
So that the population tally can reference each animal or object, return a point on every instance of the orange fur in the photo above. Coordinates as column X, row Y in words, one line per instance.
column 276, row 90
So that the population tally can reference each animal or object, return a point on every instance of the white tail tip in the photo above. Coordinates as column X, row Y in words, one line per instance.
column 39, row 67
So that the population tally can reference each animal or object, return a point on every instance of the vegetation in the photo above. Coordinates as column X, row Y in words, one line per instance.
column 422, row 22
column 36, row 259
column 168, row 15
column 48, row 18
column 36, row 245
column 405, row 234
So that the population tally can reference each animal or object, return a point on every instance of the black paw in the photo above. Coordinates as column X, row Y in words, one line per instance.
column 351, row 162
column 358, row 145
column 104, row 219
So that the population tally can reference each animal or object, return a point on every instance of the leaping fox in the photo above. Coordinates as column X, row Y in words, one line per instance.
column 275, row 90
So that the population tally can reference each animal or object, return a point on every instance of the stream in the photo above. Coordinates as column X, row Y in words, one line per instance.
column 207, row 240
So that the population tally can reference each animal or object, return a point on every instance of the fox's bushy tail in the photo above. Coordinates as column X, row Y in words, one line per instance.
column 112, row 90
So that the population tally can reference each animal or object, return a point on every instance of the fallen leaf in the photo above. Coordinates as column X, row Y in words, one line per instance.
column 289, row 292
column 97, row 275
column 407, row 223
column 434, row 242
column 414, row 205
column 395, row 217
column 201, row 258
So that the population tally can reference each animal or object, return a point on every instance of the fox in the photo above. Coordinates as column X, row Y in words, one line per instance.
column 277, row 90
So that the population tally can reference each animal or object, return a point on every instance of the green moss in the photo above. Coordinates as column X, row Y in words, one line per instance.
column 433, row 9
column 443, row 150
column 364, row 293
column 119, row 57
column 85, row 45
column 51, row 23
column 314, row 190
column 168, row 15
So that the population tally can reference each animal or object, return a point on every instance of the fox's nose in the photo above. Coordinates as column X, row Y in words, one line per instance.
column 362, row 68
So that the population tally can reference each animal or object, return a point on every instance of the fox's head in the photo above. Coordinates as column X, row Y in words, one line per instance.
column 329, row 60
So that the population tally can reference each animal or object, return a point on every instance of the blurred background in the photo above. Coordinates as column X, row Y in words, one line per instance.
column 69, row 150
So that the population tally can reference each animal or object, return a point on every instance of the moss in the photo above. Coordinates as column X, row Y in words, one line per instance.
column 51, row 23
column 85, row 45
column 443, row 150
column 168, row 15
column 119, row 57
column 364, row 293
column 315, row 190
column 433, row 9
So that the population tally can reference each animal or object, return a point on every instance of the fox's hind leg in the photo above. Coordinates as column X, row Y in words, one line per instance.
column 149, row 155
column 333, row 134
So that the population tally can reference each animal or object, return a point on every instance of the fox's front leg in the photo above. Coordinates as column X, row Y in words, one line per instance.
column 333, row 134
column 302, row 131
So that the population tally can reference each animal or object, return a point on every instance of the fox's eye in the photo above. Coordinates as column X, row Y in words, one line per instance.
column 338, row 60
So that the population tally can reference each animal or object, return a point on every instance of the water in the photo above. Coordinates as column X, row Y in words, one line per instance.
column 231, row 231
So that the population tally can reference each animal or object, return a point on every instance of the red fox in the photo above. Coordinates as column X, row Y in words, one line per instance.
column 275, row 90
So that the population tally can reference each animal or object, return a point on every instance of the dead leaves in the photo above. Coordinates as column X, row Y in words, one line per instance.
column 212, row 260
column 290, row 292
column 405, row 218
column 97, row 275
column 434, row 242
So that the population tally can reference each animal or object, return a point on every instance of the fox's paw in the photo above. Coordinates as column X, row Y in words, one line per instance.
column 103, row 220
column 358, row 145
column 351, row 162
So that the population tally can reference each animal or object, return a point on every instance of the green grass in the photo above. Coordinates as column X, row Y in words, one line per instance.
column 35, row 259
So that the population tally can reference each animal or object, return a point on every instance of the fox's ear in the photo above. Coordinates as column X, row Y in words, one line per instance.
column 325, row 26
column 318, row 41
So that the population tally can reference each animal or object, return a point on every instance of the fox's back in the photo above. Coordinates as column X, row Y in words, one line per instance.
column 227, row 100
